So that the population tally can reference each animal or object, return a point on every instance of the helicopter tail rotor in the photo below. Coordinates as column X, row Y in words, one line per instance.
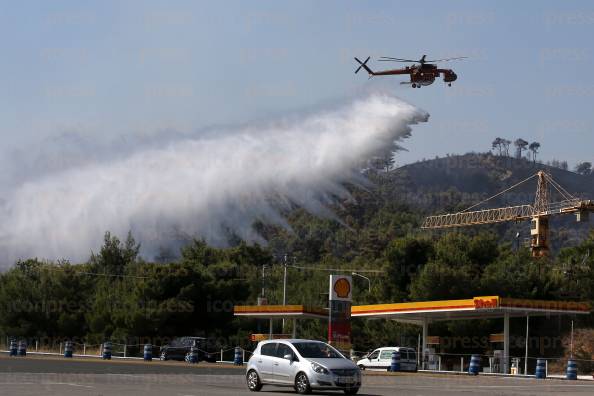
column 364, row 66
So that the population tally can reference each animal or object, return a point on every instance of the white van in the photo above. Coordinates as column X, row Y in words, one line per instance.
column 381, row 358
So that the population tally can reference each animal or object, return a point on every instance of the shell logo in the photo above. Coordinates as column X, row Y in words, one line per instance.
column 342, row 288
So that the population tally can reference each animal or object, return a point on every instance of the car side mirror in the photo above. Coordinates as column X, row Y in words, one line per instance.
column 292, row 357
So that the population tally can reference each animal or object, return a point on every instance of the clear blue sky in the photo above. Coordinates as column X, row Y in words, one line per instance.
column 112, row 68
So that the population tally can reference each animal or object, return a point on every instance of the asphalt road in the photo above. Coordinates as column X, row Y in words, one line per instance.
column 60, row 365
column 58, row 376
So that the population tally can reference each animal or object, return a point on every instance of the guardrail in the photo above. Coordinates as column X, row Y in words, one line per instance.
column 438, row 362
column 490, row 364
column 118, row 351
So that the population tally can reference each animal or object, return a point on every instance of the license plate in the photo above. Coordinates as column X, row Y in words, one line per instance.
column 345, row 380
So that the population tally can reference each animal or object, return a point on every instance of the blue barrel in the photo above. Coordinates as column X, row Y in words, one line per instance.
column 475, row 365
column 22, row 348
column 541, row 369
column 395, row 363
column 13, row 348
column 68, row 349
column 193, row 355
column 148, row 352
column 106, row 351
column 571, row 373
column 238, row 357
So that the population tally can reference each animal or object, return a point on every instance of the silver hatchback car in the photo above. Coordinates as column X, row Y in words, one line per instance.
column 302, row 364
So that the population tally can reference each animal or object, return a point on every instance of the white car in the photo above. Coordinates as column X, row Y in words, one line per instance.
column 303, row 365
column 381, row 358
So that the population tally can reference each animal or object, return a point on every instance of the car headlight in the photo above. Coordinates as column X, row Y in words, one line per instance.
column 319, row 369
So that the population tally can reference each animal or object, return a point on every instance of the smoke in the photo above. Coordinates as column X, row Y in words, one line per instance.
column 207, row 185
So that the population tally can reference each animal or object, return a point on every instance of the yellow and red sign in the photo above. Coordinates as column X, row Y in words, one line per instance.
column 263, row 337
column 341, row 288
column 339, row 323
column 490, row 302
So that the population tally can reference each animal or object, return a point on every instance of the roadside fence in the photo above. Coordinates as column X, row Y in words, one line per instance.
column 493, row 364
column 118, row 350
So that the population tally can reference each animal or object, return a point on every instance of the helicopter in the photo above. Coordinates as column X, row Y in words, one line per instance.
column 423, row 72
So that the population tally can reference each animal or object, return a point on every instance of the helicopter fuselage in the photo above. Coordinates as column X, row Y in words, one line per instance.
column 422, row 73
column 427, row 74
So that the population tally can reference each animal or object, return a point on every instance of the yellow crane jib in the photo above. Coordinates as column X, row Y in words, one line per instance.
column 538, row 212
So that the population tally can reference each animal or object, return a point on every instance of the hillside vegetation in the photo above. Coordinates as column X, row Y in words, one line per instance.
column 118, row 295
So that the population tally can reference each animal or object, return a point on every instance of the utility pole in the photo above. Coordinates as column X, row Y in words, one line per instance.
column 262, row 299
column 284, row 287
column 263, row 280
column 285, row 281
column 571, row 347
column 526, row 355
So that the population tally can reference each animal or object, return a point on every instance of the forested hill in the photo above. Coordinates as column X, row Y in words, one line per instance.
column 396, row 201
column 479, row 176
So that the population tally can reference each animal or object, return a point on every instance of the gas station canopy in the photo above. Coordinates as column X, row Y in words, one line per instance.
column 271, row 312
column 281, row 312
column 472, row 308
column 426, row 312
column 487, row 307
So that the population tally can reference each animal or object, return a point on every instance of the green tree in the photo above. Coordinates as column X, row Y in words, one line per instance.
column 584, row 168
column 534, row 147
column 575, row 271
column 115, row 256
column 518, row 275
column 456, row 268
column 498, row 144
column 521, row 146
column 405, row 257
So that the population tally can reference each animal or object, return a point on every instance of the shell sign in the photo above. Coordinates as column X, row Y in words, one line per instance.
column 341, row 288
column 486, row 302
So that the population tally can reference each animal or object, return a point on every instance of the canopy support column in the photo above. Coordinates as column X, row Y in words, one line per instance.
column 424, row 341
column 270, row 329
column 294, row 328
column 506, row 342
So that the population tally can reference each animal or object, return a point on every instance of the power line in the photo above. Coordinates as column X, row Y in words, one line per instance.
column 99, row 274
column 337, row 269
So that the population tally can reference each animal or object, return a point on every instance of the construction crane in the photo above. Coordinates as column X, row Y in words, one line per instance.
column 538, row 213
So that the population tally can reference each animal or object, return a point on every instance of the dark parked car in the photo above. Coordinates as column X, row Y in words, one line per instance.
column 181, row 347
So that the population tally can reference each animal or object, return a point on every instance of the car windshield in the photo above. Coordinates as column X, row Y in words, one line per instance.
column 317, row 350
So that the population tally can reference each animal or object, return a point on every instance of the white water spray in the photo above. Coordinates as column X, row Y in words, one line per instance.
column 202, row 186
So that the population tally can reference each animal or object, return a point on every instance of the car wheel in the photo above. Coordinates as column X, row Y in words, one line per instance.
column 351, row 391
column 253, row 381
column 302, row 384
column 163, row 356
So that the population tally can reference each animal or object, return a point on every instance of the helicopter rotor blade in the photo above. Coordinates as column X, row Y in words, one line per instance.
column 388, row 58
column 447, row 59
column 422, row 60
